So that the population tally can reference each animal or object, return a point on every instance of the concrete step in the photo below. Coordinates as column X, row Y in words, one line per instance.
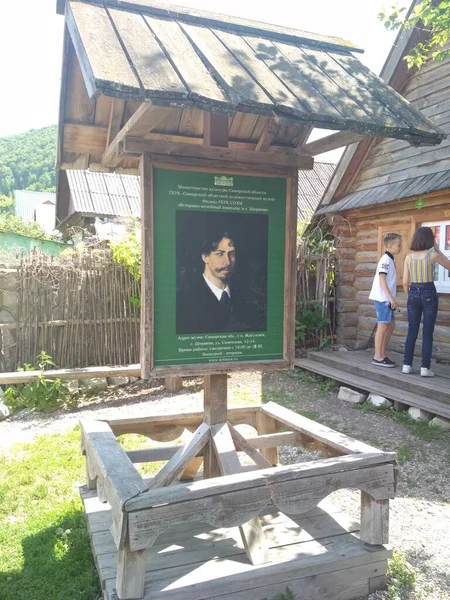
column 370, row 385
column 438, row 388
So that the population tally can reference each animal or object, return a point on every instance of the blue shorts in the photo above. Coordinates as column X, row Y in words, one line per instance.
column 385, row 314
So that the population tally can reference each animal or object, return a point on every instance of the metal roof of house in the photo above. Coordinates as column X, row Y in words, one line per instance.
column 149, row 51
column 311, row 186
column 26, row 201
column 400, row 190
column 103, row 194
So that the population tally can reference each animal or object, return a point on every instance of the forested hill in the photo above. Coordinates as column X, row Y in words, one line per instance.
column 27, row 161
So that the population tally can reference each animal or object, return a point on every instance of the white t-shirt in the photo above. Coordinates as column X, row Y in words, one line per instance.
column 385, row 265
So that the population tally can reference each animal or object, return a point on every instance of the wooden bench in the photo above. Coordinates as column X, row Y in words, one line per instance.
column 143, row 510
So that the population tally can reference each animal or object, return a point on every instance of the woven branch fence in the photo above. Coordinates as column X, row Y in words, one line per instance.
column 315, row 295
column 78, row 308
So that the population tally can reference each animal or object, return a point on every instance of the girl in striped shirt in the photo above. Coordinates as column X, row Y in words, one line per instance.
column 422, row 296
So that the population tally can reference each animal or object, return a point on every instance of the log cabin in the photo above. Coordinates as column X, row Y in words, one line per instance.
column 382, row 186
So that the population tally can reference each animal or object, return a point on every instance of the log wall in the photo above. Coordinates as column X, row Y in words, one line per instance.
column 358, row 253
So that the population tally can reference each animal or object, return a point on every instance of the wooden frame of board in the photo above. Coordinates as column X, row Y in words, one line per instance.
column 148, row 368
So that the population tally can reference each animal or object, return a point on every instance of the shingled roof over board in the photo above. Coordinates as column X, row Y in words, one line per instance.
column 149, row 51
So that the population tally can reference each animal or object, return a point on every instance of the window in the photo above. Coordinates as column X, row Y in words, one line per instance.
column 441, row 231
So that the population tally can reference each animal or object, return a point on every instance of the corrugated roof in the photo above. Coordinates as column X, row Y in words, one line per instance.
column 311, row 187
column 173, row 56
column 26, row 201
column 103, row 194
column 400, row 190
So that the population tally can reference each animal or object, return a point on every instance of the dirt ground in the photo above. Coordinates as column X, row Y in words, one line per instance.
column 420, row 513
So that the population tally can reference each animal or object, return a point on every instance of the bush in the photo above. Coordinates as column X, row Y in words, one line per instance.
column 309, row 320
column 42, row 394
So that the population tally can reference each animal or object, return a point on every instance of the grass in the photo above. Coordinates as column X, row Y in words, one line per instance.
column 401, row 578
column 404, row 453
column 419, row 428
column 45, row 547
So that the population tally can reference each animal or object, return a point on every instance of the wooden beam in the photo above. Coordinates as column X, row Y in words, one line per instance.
column 250, row 450
column 179, row 461
column 215, row 130
column 145, row 119
column 215, row 412
column 115, row 119
column 331, row 142
column 267, row 136
column 136, row 145
column 145, row 173
column 68, row 374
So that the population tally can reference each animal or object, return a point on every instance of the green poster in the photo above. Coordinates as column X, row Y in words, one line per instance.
column 219, row 252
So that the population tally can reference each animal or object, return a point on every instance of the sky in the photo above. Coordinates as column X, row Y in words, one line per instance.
column 31, row 35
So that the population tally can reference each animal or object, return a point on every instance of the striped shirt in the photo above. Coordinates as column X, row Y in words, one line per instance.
column 421, row 269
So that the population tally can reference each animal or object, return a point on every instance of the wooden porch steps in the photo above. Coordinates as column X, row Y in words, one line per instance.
column 317, row 555
column 354, row 368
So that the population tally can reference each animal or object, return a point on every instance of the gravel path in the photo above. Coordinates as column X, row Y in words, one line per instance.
column 420, row 513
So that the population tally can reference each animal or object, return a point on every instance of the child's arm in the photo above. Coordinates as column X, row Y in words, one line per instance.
column 406, row 278
column 384, row 285
column 440, row 258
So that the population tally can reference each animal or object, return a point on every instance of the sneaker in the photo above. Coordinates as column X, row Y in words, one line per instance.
column 407, row 369
column 426, row 372
column 386, row 362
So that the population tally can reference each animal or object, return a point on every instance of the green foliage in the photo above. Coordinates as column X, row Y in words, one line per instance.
column 401, row 576
column 42, row 394
column 6, row 205
column 432, row 16
column 309, row 320
column 12, row 224
column 127, row 252
column 288, row 595
column 27, row 161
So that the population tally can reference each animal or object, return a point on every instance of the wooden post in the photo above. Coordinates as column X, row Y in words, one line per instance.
column 215, row 130
column 130, row 573
column 374, row 520
column 174, row 384
column 145, row 172
column 215, row 410
column 266, row 424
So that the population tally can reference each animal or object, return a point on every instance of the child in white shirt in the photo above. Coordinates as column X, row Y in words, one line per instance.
column 383, row 293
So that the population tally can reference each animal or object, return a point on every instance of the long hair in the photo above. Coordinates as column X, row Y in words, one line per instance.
column 423, row 239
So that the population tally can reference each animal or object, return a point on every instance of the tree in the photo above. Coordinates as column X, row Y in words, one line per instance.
column 6, row 205
column 433, row 16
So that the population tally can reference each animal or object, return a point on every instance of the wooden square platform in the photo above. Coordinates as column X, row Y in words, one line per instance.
column 317, row 555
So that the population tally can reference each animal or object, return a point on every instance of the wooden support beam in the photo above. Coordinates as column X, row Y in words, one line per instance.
column 215, row 411
column 115, row 119
column 266, row 424
column 229, row 464
column 138, row 145
column 215, row 130
column 145, row 119
column 130, row 579
column 145, row 175
column 331, row 142
column 180, row 460
column 70, row 374
column 174, row 384
column 374, row 520
column 268, row 135
column 250, row 450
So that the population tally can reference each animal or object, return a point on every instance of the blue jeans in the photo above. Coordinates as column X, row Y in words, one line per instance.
column 422, row 301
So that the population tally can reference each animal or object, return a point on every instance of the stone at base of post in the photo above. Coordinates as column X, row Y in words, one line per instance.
column 374, row 520
column 130, row 574
column 174, row 384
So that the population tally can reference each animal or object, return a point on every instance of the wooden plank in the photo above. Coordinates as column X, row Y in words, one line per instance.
column 114, row 471
column 84, row 139
column 374, row 520
column 301, row 78
column 130, row 573
column 102, row 110
column 201, row 85
column 319, row 432
column 290, row 269
column 226, row 69
column 156, row 73
column 94, row 38
column 79, row 107
column 331, row 142
column 215, row 396
column 136, row 145
column 215, row 130
column 176, row 465
column 258, row 70
column 248, row 448
column 70, row 374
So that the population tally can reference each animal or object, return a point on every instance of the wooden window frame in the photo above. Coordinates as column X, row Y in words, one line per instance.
column 443, row 282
